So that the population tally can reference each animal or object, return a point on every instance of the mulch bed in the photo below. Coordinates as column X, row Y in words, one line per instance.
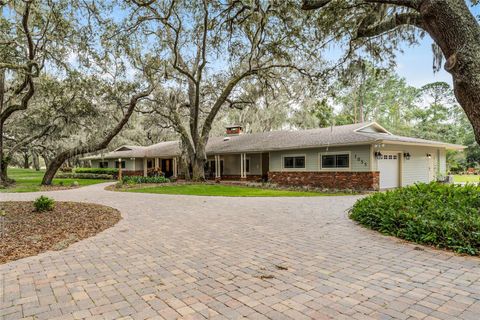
column 29, row 233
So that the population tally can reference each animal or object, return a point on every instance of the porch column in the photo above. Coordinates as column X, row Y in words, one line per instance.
column 120, row 169
column 156, row 163
column 217, row 167
column 243, row 166
column 175, row 168
column 145, row 171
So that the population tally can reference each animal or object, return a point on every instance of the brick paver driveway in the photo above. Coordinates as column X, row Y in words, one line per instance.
column 226, row 258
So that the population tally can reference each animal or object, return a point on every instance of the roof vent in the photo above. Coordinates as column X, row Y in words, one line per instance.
column 226, row 139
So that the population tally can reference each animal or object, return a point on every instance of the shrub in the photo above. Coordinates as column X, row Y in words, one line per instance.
column 445, row 216
column 84, row 176
column 43, row 203
column 66, row 169
column 110, row 171
column 141, row 179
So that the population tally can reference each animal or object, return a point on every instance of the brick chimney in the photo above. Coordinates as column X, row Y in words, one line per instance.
column 234, row 130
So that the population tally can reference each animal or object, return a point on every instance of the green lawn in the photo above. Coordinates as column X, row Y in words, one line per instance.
column 466, row 178
column 28, row 180
column 225, row 191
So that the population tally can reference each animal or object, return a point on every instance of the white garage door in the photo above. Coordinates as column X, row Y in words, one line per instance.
column 389, row 171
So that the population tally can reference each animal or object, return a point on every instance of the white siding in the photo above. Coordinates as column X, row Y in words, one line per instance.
column 231, row 164
column 442, row 161
column 360, row 158
column 139, row 164
column 128, row 164
column 417, row 168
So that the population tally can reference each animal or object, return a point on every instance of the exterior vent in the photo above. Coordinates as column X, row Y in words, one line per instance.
column 226, row 139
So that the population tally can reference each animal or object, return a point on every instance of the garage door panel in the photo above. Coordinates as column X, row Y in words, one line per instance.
column 388, row 166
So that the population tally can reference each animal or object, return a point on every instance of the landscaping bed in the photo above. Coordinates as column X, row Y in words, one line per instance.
column 444, row 216
column 220, row 189
column 28, row 232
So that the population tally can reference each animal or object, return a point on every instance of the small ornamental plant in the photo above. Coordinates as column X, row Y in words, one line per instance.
column 43, row 204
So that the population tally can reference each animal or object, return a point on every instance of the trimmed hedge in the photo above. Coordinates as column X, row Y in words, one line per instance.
column 141, row 179
column 84, row 176
column 445, row 216
column 111, row 171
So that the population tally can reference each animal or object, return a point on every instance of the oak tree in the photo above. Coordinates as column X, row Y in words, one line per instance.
column 452, row 26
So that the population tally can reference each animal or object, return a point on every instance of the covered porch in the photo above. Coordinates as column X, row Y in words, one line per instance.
column 141, row 166
column 239, row 166
column 165, row 166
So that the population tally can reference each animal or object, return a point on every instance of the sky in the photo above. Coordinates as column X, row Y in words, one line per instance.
column 415, row 64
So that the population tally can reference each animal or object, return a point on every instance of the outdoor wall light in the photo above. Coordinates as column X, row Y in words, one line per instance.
column 378, row 155
column 429, row 156
column 406, row 155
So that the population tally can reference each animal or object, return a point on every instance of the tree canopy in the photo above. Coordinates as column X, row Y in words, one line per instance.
column 177, row 69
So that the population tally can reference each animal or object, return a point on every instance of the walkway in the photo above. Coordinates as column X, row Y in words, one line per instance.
column 226, row 258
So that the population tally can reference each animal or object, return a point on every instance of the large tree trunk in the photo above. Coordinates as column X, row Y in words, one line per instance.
column 26, row 161
column 4, row 179
column 3, row 162
column 456, row 31
column 46, row 160
column 197, row 158
column 198, row 169
column 35, row 161
column 53, row 167
column 58, row 160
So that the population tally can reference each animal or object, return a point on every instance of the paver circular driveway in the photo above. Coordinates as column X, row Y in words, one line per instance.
column 213, row 257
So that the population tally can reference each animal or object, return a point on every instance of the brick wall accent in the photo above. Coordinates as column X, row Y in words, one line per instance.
column 150, row 172
column 328, row 180
column 129, row 173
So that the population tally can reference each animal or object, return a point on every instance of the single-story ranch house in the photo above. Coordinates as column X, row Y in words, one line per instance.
column 357, row 156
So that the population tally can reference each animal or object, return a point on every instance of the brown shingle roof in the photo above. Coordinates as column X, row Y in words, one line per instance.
column 283, row 140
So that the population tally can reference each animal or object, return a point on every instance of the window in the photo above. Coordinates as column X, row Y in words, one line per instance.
column 247, row 165
column 123, row 164
column 331, row 161
column 103, row 164
column 297, row 162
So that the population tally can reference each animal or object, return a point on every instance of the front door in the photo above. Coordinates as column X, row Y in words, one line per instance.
column 167, row 167
column 389, row 168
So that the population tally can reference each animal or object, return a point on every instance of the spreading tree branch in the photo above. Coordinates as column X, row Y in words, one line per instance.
column 29, row 140
column 393, row 22
column 318, row 4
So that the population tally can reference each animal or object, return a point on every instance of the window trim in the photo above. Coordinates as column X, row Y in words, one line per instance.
column 121, row 164
column 294, row 155
column 103, row 162
column 334, row 153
